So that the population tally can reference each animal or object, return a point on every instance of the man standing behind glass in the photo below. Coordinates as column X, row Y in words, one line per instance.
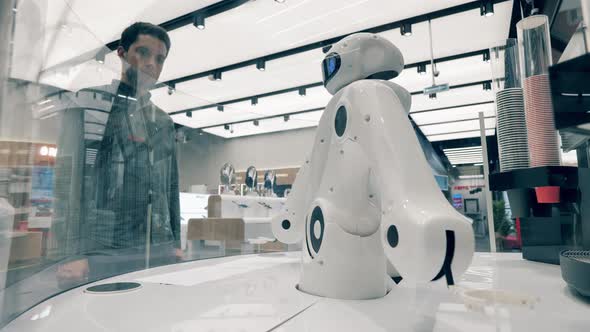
column 133, row 218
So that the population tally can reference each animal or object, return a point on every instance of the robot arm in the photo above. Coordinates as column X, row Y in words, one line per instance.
column 288, row 225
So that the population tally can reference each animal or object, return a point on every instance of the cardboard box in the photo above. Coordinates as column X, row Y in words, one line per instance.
column 25, row 246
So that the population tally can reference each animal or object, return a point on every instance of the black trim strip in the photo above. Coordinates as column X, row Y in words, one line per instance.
column 307, row 238
column 445, row 270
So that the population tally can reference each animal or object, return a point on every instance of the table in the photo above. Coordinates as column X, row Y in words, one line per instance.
column 257, row 293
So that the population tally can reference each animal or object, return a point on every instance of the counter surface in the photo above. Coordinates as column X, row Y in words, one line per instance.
column 257, row 293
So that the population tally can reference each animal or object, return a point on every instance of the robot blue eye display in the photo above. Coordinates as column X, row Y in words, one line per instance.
column 331, row 65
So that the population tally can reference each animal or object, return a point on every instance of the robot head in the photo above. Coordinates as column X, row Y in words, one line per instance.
column 269, row 179
column 227, row 174
column 251, row 177
column 360, row 56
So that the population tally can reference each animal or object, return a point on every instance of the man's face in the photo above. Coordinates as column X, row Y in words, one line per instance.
column 143, row 62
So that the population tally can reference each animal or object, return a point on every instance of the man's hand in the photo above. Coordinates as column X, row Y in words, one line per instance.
column 72, row 273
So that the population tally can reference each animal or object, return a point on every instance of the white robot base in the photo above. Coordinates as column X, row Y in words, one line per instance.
column 366, row 203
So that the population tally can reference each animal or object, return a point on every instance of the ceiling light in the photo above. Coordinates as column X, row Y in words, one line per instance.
column 199, row 21
column 422, row 69
column 406, row 29
column 432, row 96
column 280, row 1
column 189, row 114
column 254, row 101
column 256, row 123
column 486, row 56
column 261, row 65
column 220, row 108
column 100, row 56
column 302, row 92
column 286, row 117
column 171, row 88
column 464, row 177
column 487, row 86
column 216, row 75
column 486, row 8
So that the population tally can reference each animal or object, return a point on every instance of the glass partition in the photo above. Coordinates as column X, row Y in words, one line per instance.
column 89, row 160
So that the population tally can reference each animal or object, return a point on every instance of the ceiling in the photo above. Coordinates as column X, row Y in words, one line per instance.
column 257, row 29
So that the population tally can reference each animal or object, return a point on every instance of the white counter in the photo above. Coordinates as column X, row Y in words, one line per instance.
column 257, row 293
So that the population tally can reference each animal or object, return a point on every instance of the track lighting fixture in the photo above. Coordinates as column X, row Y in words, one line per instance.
column 486, row 8
column 100, row 56
column 406, row 29
column 217, row 75
column 261, row 65
column 199, row 21
column 422, row 69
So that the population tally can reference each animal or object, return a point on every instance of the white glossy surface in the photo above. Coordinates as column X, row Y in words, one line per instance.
column 257, row 299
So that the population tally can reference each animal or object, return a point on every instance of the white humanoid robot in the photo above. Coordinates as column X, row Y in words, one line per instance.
column 251, row 182
column 227, row 176
column 365, row 204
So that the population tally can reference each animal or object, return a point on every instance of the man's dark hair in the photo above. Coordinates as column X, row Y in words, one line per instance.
column 129, row 35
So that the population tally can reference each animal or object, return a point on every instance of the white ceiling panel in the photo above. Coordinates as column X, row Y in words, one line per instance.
column 298, row 70
column 454, row 114
column 84, row 75
column 283, row 73
column 270, row 106
column 266, row 126
column 259, row 28
column 455, row 34
column 455, row 72
column 50, row 32
column 451, row 98
column 470, row 134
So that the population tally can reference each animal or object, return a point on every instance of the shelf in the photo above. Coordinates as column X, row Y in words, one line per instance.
column 565, row 177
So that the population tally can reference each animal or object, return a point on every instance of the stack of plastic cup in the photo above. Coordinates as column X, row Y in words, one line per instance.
column 535, row 59
column 511, row 123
